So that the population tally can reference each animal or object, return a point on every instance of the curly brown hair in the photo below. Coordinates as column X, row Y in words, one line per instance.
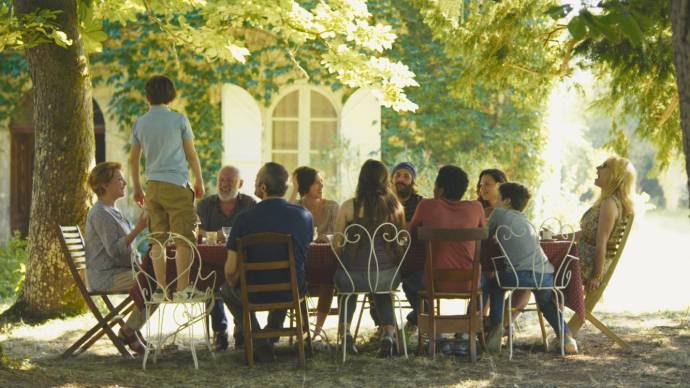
column 101, row 175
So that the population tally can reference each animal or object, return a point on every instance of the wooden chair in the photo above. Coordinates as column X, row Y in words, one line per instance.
column 73, row 247
column 296, row 305
column 432, row 322
column 614, row 249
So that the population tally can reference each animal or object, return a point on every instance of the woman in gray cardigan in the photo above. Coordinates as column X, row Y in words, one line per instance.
column 109, row 252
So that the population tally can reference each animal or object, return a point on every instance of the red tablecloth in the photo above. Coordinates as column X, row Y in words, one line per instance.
column 320, row 268
column 556, row 252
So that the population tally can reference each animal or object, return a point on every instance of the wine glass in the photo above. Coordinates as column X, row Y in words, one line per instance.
column 226, row 232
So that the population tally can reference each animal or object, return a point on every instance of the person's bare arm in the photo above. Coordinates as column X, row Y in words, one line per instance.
column 134, row 160
column 607, row 219
column 231, row 273
column 193, row 160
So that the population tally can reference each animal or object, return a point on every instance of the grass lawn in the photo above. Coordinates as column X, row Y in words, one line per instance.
column 661, row 357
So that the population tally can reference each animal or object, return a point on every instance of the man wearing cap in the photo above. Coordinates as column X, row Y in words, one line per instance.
column 403, row 180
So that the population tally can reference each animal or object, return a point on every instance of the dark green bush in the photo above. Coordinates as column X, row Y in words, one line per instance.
column 13, row 258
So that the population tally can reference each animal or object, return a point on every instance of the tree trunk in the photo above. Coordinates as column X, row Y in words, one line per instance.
column 63, row 117
column 680, row 22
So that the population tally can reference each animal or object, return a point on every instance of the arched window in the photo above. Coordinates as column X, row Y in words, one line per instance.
column 304, row 131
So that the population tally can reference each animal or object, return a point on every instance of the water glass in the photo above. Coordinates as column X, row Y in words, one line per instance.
column 226, row 232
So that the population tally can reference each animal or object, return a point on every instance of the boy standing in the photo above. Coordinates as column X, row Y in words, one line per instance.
column 166, row 139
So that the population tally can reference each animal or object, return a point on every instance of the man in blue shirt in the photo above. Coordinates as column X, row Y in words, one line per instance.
column 272, row 214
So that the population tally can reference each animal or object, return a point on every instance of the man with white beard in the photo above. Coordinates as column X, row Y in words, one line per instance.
column 216, row 211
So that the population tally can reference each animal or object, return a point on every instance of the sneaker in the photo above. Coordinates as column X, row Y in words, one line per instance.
column 350, row 344
column 570, row 344
column 386, row 345
column 494, row 339
column 185, row 294
column 220, row 340
column 158, row 295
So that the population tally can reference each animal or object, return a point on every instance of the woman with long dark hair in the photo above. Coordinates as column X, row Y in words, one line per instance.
column 487, row 188
column 373, row 205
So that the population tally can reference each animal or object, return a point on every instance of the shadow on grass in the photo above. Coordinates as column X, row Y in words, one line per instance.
column 661, row 357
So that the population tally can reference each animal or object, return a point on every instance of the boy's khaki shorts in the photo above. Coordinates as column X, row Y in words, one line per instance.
column 171, row 209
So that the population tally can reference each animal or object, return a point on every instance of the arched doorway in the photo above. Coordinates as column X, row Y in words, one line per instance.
column 22, row 131
column 304, row 130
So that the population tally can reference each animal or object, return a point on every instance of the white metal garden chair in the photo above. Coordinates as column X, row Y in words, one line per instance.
column 561, row 277
column 354, row 234
column 187, row 311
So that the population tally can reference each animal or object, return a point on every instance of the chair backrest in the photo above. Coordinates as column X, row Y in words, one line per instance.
column 266, row 264
column 74, row 252
column 356, row 234
column 615, row 246
column 166, row 242
column 431, row 235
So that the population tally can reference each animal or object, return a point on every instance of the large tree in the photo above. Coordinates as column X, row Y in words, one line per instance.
column 54, row 35
column 680, row 20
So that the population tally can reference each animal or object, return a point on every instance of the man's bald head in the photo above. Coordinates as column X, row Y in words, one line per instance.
column 229, row 182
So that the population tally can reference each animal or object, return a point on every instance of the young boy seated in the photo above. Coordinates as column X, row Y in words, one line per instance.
column 521, row 245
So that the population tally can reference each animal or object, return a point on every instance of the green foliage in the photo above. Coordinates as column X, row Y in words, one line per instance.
column 13, row 259
column 475, row 110
column 29, row 30
column 628, row 44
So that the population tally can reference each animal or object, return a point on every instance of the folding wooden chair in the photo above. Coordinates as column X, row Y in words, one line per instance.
column 614, row 249
column 432, row 322
column 296, row 305
column 73, row 248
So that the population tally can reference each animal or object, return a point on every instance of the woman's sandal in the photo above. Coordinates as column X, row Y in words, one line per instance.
column 132, row 341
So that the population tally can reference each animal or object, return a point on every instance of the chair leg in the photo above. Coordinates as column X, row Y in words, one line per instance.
column 543, row 330
column 248, row 339
column 343, row 327
column 608, row 332
column 420, row 337
column 510, row 325
column 97, row 331
column 432, row 329
column 306, row 328
column 472, row 334
column 101, row 332
column 300, row 337
column 482, row 334
column 365, row 302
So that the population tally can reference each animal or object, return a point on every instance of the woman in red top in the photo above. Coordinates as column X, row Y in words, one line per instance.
column 448, row 210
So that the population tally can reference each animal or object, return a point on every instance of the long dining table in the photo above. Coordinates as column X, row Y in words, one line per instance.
column 321, row 264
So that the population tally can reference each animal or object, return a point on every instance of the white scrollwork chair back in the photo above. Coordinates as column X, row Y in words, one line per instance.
column 193, row 308
column 355, row 234
column 561, row 277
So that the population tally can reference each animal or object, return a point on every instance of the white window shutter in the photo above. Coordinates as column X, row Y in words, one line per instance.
column 242, row 129
column 361, row 129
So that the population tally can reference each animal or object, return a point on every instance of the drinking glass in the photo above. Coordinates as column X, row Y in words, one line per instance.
column 211, row 237
column 226, row 232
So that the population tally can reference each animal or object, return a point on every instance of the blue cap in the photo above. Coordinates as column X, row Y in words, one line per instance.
column 407, row 166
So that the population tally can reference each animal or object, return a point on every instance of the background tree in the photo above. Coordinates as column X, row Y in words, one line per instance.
column 54, row 35
column 680, row 20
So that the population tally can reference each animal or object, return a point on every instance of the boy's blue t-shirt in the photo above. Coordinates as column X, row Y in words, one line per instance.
column 160, row 132
column 278, row 216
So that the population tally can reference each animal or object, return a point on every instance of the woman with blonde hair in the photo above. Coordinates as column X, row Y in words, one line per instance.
column 616, row 178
